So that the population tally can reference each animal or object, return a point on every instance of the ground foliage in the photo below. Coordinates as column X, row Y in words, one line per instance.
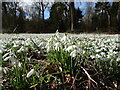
column 61, row 62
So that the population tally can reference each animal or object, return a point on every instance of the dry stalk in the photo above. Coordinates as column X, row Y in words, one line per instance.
column 89, row 76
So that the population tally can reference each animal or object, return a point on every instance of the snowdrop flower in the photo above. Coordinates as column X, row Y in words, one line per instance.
column 118, row 59
column 17, row 41
column 97, row 50
column 5, row 55
column 23, row 42
column 27, row 44
column 48, row 47
column 19, row 64
column 7, row 58
column 98, row 56
column 65, row 38
column 73, row 53
column 13, row 60
column 57, row 46
column 108, row 56
column 110, row 50
column 102, row 53
column 92, row 56
column 83, row 51
column 30, row 73
column 21, row 49
column 115, row 52
column 50, row 39
column 71, row 47
column 15, row 45
column 5, row 70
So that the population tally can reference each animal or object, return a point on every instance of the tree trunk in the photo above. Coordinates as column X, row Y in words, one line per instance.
column 42, row 10
column 109, row 21
column 118, row 12
column 71, row 15
column 118, row 17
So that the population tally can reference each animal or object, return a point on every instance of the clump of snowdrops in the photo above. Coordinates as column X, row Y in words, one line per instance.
column 74, row 55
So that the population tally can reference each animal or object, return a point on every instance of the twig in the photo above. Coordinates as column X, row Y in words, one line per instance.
column 88, row 75
column 73, row 83
column 15, row 29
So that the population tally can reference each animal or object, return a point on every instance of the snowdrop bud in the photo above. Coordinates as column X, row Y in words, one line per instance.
column 31, row 72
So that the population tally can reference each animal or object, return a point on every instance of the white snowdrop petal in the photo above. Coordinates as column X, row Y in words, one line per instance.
column 7, row 58
column 31, row 72
column 5, row 55
column 73, row 53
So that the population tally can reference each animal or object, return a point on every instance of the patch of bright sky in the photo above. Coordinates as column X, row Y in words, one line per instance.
column 47, row 14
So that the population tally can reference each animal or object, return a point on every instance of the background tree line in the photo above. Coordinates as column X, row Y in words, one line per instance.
column 103, row 17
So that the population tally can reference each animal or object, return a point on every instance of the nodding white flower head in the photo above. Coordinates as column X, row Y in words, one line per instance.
column 15, row 45
column 57, row 46
column 5, row 70
column 118, row 59
column 13, row 60
column 48, row 48
column 19, row 64
column 92, row 56
column 21, row 49
column 7, row 58
column 98, row 56
column 102, row 53
column 30, row 73
column 5, row 55
column 98, row 50
column 71, row 48
column 65, row 38
column 17, row 42
column 73, row 53
column 114, row 52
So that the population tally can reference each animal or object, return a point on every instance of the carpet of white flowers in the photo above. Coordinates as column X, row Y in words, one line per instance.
column 60, row 61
